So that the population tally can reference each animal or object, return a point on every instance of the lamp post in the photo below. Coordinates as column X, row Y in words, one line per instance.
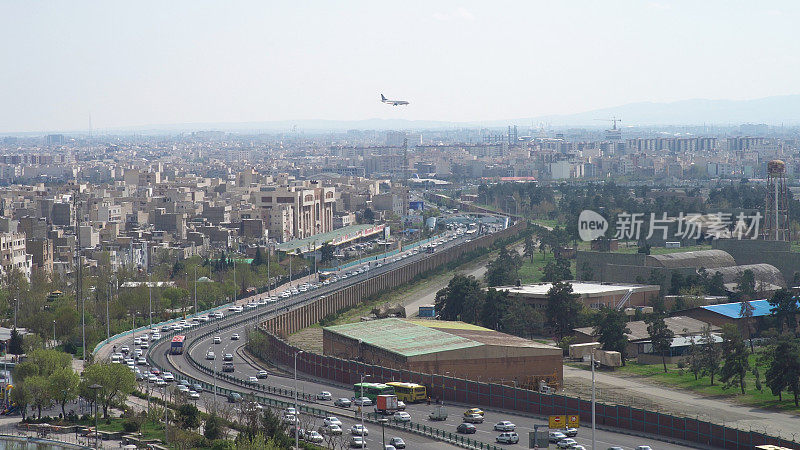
column 383, row 421
column 150, row 292
column 593, row 402
column 54, row 334
column 296, row 411
column 361, row 408
column 195, row 290
column 95, row 387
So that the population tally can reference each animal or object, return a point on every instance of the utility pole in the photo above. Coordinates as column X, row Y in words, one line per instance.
column 195, row 289
column 150, row 292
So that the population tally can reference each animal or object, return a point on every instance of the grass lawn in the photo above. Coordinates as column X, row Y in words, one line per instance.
column 548, row 223
column 684, row 379
column 531, row 272
column 149, row 429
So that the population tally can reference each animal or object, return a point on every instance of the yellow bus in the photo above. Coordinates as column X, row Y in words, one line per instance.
column 409, row 392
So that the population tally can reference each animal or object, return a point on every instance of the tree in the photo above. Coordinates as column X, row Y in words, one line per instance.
column 461, row 299
column 369, row 215
column 503, row 271
column 24, row 370
column 660, row 336
column 326, row 253
column 49, row 361
column 746, row 284
column 15, row 343
column 783, row 372
column 562, row 308
column 258, row 259
column 610, row 329
column 22, row 397
column 520, row 318
column 746, row 313
column 530, row 248
column 494, row 304
column 695, row 358
column 736, row 362
column 117, row 383
column 710, row 354
column 39, row 388
column 213, row 427
column 784, row 308
column 64, row 386
column 557, row 270
column 188, row 416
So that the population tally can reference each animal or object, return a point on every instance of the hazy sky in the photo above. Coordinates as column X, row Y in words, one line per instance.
column 165, row 62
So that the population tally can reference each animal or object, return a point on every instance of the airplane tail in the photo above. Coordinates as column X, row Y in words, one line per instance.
column 383, row 99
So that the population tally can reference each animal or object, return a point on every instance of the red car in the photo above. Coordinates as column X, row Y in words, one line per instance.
column 155, row 371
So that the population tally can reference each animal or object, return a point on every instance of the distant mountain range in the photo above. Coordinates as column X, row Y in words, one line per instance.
column 778, row 110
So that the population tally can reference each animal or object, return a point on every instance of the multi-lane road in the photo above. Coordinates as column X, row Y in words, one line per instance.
column 243, row 369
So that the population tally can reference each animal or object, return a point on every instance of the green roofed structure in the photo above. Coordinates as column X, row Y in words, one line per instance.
column 440, row 347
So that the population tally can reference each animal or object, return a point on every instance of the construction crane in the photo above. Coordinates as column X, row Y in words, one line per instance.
column 613, row 120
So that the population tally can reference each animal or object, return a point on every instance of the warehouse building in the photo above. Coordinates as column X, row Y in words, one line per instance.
column 446, row 348
column 593, row 295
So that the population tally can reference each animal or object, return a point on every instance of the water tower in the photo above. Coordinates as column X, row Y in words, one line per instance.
column 776, row 212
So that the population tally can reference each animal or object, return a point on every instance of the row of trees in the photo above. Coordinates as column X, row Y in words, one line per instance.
column 46, row 377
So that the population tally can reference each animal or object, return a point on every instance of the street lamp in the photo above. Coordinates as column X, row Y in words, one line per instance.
column 383, row 421
column 296, row 411
column 593, row 401
column 361, row 408
column 95, row 387
column 54, row 334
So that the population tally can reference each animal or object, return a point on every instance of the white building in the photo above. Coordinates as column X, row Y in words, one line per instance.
column 13, row 256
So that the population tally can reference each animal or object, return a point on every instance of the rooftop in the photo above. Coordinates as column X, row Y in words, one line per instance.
column 733, row 310
column 335, row 237
column 581, row 288
column 680, row 325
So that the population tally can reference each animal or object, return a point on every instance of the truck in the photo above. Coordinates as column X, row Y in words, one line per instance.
column 438, row 413
column 385, row 404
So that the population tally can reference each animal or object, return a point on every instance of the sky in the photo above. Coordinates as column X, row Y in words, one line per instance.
column 67, row 64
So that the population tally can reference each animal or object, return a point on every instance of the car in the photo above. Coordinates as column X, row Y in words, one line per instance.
column 332, row 420
column 300, row 433
column 615, row 448
column 165, row 328
column 331, row 430
column 184, row 383
column 579, row 447
column 324, row 396
column 138, row 352
column 643, row 447
column 289, row 418
column 253, row 379
column 401, row 416
column 227, row 367
column 193, row 395
column 125, row 349
column 566, row 443
column 397, row 442
column 235, row 337
column 343, row 402
column 571, row 432
column 362, row 401
column 217, row 340
column 197, row 387
column 183, row 389
column 262, row 374
column 227, row 357
column 359, row 430
column 168, row 377
column 160, row 382
column 401, row 406
column 219, row 315
column 234, row 397
column 358, row 442
column 504, row 426
column 290, row 410
column 144, row 345
column 473, row 411
column 235, row 308
column 507, row 438
column 141, row 361
column 389, row 447
column 155, row 371
column 556, row 436
column 139, row 376
column 156, row 335
column 474, row 418
column 252, row 305
column 144, row 338
column 203, row 318
column 466, row 428
column 313, row 437
column 137, row 341
column 151, row 378
column 211, row 355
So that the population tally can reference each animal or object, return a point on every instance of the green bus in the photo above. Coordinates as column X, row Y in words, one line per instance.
column 371, row 390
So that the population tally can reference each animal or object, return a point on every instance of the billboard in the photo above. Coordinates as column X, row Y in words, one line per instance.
column 416, row 205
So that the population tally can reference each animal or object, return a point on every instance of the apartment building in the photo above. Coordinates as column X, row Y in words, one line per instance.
column 296, row 211
column 13, row 254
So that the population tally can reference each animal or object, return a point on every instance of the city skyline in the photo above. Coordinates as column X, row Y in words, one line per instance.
column 455, row 61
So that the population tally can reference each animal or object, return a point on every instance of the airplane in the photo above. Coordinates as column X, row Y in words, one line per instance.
column 393, row 102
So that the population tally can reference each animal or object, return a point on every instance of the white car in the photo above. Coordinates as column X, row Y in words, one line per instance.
column 508, row 438
column 144, row 345
column 324, row 396
column 144, row 338
column 193, row 395
column 168, row 376
column 217, row 340
column 160, row 382
column 567, row 443
column 204, row 318
column 152, row 378
column 253, row 380
column 289, row 418
column 362, row 401
column 291, row 410
column 402, row 416
column 210, row 356
column 235, row 337
column 359, row 430
column 505, row 426
column 183, row 389
column 156, row 335
column 313, row 437
column 358, row 442
column 141, row 361
column 332, row 420
column 252, row 305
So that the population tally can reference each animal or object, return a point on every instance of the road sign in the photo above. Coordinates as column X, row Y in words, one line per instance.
column 573, row 421
column 557, row 422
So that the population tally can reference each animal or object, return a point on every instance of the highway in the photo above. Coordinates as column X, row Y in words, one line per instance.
column 243, row 369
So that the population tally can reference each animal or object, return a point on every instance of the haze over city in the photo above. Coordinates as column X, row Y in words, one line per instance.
column 145, row 64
